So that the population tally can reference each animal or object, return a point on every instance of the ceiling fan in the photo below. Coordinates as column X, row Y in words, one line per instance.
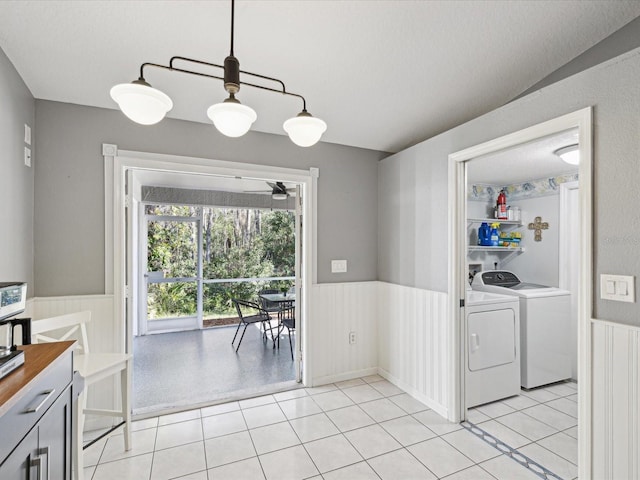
column 279, row 191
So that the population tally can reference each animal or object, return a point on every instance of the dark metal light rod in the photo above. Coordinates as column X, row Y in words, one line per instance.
column 174, row 69
column 200, row 62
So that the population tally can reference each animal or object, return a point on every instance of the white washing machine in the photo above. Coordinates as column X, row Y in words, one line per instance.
column 493, row 347
column 545, row 314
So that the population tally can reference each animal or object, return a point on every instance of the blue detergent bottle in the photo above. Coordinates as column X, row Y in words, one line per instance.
column 495, row 235
column 484, row 235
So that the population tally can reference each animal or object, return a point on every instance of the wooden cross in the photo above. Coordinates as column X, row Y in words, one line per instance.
column 537, row 226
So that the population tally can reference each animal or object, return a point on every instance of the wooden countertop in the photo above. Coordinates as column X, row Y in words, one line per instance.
column 37, row 361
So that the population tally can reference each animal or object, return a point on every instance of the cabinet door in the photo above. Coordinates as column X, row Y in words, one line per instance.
column 18, row 466
column 54, row 438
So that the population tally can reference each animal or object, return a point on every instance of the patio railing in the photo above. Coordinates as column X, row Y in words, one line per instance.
column 178, row 297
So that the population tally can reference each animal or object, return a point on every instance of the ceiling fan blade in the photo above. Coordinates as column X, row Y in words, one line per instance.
column 278, row 188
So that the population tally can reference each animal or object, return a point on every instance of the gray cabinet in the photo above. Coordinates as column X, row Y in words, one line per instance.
column 37, row 426
column 45, row 453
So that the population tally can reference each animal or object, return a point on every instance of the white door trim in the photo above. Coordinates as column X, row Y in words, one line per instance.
column 566, row 274
column 581, row 119
column 564, row 241
column 117, row 162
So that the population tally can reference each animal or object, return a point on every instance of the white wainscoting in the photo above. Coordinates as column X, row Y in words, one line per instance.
column 400, row 333
column 102, row 338
column 616, row 401
column 336, row 310
column 413, row 342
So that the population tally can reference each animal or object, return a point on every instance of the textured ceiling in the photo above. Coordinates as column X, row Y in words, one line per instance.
column 529, row 161
column 384, row 75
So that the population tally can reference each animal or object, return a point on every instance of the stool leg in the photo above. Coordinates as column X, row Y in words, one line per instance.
column 125, row 382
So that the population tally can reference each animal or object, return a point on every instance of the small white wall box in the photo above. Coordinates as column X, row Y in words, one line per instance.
column 620, row 288
column 338, row 266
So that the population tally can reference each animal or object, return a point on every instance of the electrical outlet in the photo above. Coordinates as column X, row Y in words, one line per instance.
column 27, row 156
column 352, row 338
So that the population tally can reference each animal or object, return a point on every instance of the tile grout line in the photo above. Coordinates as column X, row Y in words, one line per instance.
column 544, row 472
column 204, row 446
column 252, row 442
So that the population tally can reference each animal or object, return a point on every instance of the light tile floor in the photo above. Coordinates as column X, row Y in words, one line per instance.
column 360, row 429
column 541, row 423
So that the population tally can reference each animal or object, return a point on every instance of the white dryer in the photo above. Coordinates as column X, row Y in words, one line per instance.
column 493, row 347
column 545, row 333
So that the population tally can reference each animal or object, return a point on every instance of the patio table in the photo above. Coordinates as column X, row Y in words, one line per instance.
column 279, row 297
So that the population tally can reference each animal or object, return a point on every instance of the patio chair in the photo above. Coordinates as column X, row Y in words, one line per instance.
column 250, row 313
column 93, row 367
column 271, row 307
column 288, row 321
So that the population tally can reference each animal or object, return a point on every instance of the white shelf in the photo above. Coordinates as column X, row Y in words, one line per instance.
column 475, row 248
column 511, row 252
column 471, row 221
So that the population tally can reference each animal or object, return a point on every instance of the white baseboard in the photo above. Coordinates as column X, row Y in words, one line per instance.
column 436, row 407
column 316, row 382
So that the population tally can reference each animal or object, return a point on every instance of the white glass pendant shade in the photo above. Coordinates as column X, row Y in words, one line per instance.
column 570, row 154
column 141, row 103
column 231, row 118
column 304, row 130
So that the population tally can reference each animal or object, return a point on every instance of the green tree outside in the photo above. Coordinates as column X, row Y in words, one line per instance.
column 237, row 243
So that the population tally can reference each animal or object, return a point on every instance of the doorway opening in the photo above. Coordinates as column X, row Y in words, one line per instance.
column 240, row 187
column 490, row 257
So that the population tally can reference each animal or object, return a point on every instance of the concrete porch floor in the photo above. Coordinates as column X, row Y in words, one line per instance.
column 175, row 371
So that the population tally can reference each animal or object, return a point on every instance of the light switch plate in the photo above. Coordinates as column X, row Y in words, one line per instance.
column 27, row 134
column 338, row 266
column 620, row 288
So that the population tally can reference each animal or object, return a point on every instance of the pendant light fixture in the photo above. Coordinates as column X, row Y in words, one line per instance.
column 146, row 105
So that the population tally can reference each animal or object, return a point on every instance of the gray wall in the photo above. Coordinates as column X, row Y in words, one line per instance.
column 413, row 183
column 16, row 179
column 69, row 190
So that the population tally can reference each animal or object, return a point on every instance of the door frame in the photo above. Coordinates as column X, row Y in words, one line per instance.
column 582, row 120
column 567, row 242
column 118, row 201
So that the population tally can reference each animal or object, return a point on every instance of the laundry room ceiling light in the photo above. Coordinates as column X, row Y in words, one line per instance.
column 570, row 154
column 146, row 105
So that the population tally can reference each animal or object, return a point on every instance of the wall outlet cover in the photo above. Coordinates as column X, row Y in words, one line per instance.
column 338, row 266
